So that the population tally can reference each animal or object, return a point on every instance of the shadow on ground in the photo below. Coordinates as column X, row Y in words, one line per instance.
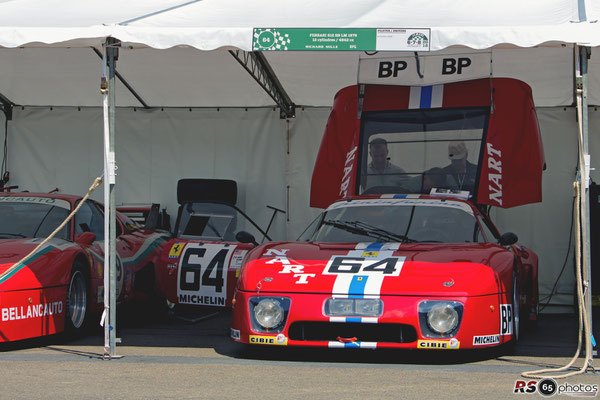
column 151, row 325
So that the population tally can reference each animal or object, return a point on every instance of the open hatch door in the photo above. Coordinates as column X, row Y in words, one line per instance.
column 480, row 137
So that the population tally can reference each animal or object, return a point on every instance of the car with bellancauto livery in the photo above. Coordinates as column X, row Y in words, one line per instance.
column 200, row 264
column 61, row 285
column 405, row 254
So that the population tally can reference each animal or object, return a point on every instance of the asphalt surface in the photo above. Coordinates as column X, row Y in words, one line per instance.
column 190, row 356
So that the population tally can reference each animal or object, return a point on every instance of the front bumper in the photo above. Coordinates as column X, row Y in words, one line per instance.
column 398, row 326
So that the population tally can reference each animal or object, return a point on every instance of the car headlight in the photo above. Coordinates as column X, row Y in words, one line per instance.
column 440, row 319
column 268, row 314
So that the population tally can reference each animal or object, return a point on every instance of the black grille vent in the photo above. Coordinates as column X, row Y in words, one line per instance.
column 330, row 331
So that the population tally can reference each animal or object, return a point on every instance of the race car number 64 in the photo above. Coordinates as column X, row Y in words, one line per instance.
column 362, row 265
column 191, row 267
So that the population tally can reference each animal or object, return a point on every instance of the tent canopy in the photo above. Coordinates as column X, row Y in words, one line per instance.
column 34, row 72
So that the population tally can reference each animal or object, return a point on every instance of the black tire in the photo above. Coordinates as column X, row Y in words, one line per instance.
column 77, row 301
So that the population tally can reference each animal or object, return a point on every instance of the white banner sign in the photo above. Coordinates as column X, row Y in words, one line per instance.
column 426, row 70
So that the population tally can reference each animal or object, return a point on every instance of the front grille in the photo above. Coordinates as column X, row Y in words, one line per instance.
column 330, row 331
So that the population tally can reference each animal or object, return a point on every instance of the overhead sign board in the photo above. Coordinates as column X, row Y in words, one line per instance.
column 340, row 39
column 424, row 70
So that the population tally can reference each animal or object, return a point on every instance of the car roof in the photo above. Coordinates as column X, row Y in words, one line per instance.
column 67, row 197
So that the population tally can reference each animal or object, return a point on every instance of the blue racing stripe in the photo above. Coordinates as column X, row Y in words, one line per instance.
column 426, row 92
column 357, row 286
column 352, row 344
column 399, row 196
column 354, row 319
column 374, row 246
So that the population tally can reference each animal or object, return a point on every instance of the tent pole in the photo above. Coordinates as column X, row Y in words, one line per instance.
column 105, row 320
column 110, row 260
column 582, row 55
column 112, row 57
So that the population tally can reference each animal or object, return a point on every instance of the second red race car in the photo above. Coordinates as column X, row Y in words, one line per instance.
column 201, row 264
column 61, row 285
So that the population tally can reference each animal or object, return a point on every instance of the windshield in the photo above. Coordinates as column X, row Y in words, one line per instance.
column 407, row 222
column 413, row 151
column 33, row 217
column 213, row 221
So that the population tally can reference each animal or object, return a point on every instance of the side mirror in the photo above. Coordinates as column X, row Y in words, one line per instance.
column 508, row 238
column 86, row 238
column 245, row 237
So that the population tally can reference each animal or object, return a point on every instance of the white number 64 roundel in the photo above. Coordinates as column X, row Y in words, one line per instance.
column 388, row 266
column 202, row 277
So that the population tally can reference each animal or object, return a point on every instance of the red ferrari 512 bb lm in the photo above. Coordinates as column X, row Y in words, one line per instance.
column 59, row 286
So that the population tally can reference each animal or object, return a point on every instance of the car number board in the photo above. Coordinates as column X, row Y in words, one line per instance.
column 202, row 277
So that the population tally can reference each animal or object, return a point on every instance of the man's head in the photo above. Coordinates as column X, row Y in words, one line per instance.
column 378, row 151
column 457, row 153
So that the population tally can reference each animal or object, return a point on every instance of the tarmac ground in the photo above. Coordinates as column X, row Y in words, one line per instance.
column 190, row 356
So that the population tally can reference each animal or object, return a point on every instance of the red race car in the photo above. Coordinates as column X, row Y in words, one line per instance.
column 62, row 284
column 393, row 271
column 201, row 264
column 405, row 254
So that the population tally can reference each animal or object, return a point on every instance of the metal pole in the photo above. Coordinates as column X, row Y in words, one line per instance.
column 105, row 321
column 112, row 58
column 581, row 58
column 109, row 317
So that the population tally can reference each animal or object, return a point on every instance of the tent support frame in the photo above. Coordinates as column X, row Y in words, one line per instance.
column 7, row 106
column 259, row 68
column 125, row 83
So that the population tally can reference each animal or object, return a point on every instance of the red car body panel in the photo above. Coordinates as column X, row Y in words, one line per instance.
column 33, row 295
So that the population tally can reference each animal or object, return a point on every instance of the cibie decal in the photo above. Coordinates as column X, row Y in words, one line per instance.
column 287, row 267
column 484, row 340
column 202, row 278
column 506, row 319
column 451, row 344
column 279, row 340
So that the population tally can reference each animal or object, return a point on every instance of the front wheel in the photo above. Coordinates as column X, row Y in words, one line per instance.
column 77, row 301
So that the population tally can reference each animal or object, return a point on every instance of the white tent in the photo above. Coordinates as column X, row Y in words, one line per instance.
column 191, row 110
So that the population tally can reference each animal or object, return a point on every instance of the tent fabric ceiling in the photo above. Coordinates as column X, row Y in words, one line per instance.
column 173, row 54
column 213, row 24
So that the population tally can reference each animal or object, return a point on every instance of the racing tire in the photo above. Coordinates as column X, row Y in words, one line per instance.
column 77, row 311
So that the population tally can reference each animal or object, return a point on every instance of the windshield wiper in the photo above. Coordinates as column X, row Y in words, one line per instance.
column 364, row 229
column 12, row 234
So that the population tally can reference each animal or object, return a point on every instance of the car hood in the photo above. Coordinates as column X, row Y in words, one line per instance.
column 33, row 272
column 377, row 269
